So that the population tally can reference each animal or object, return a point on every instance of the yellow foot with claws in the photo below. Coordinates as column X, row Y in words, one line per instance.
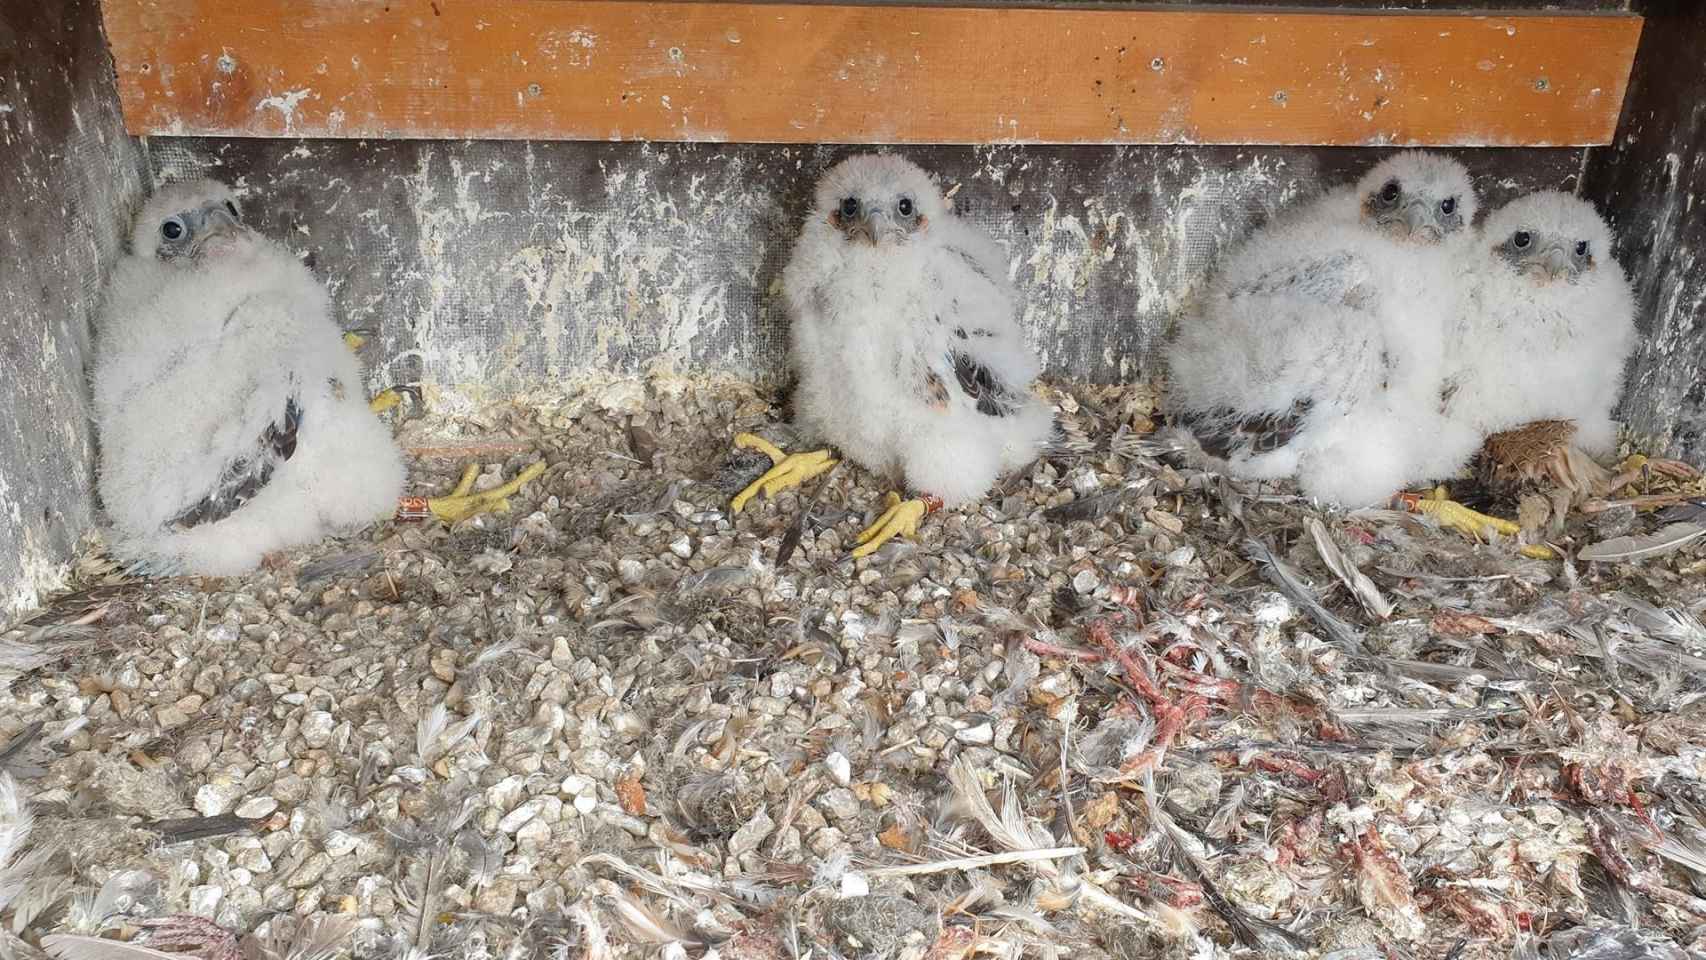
column 790, row 470
column 900, row 519
column 354, row 340
column 461, row 503
column 1471, row 523
column 393, row 396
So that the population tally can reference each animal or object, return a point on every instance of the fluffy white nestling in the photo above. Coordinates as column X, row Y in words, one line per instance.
column 1549, row 322
column 909, row 355
column 233, row 420
column 1318, row 347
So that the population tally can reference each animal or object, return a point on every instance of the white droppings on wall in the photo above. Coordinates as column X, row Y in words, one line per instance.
column 285, row 104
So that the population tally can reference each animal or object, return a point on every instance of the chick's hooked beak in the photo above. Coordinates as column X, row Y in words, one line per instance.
column 217, row 224
column 1418, row 217
column 878, row 224
column 1557, row 262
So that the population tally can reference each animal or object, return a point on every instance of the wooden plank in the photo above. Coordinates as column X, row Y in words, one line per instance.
column 768, row 72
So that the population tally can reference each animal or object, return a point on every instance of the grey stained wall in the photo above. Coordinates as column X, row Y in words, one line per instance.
column 1651, row 183
column 493, row 269
column 68, row 177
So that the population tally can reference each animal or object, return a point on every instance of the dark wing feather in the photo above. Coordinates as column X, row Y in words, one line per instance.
column 973, row 335
column 244, row 477
column 978, row 383
column 1339, row 279
column 1221, row 433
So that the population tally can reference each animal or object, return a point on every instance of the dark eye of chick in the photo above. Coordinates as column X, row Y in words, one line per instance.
column 850, row 207
column 1448, row 206
column 1389, row 193
column 905, row 206
column 231, row 207
column 1582, row 248
column 1522, row 239
column 172, row 229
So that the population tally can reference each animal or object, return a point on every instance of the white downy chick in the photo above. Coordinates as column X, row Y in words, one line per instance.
column 233, row 420
column 904, row 335
column 1548, row 325
column 1318, row 348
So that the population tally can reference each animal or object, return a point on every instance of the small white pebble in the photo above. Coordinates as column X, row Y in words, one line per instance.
column 204, row 900
column 839, row 767
column 854, row 885
column 977, row 735
column 255, row 808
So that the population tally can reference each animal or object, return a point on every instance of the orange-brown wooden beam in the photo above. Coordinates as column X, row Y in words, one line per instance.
column 768, row 72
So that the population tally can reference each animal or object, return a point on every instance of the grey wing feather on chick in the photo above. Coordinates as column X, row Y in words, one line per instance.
column 244, row 477
column 975, row 349
column 1329, row 279
column 1221, row 433
column 1340, row 279
column 976, row 381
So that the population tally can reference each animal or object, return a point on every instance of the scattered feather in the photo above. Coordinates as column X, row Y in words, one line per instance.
column 644, row 924
column 1250, row 931
column 1282, row 576
column 1096, row 506
column 338, row 565
column 68, row 946
column 1354, row 580
column 484, row 857
column 1667, row 539
column 436, row 736
column 315, row 939
column 1693, row 511
column 19, row 654
column 187, row 829
column 11, row 756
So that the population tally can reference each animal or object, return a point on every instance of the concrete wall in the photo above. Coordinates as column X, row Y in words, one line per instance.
column 69, row 178
column 494, row 269
column 1651, row 183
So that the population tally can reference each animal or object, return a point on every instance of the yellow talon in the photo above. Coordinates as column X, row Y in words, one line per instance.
column 354, row 341
column 460, row 503
column 752, row 441
column 900, row 519
column 465, row 485
column 384, row 400
column 789, row 470
column 1472, row 523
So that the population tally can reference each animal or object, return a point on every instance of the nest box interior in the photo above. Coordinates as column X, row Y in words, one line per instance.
column 517, row 193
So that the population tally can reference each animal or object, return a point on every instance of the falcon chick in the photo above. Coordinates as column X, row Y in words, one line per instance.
column 1318, row 348
column 1538, row 351
column 231, row 414
column 910, row 360
column 1548, row 325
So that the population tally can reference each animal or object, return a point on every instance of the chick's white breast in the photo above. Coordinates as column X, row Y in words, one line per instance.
column 857, row 351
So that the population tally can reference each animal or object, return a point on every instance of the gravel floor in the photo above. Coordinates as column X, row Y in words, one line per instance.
column 1122, row 709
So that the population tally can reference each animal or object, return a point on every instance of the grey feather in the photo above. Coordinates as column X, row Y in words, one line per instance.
column 346, row 564
column 1280, row 574
column 1665, row 540
column 1354, row 580
column 1096, row 506
column 316, row 939
column 67, row 946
